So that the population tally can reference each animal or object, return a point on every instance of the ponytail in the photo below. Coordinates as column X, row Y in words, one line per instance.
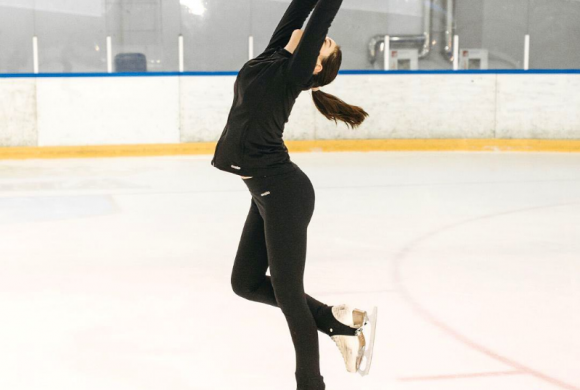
column 329, row 105
column 335, row 109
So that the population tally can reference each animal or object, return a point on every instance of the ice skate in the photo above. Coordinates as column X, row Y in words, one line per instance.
column 358, row 348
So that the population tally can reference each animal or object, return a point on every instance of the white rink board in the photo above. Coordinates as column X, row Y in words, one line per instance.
column 18, row 112
column 415, row 106
column 538, row 106
column 204, row 106
column 108, row 110
column 69, row 111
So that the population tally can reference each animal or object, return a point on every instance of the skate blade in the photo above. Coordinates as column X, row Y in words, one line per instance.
column 368, row 355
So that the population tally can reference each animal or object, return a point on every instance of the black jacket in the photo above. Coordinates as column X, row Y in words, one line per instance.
column 266, row 89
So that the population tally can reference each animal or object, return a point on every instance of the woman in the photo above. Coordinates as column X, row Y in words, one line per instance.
column 282, row 202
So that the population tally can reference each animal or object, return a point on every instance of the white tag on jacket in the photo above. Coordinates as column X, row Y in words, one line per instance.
column 266, row 193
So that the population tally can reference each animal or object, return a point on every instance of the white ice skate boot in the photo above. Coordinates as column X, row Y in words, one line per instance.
column 355, row 349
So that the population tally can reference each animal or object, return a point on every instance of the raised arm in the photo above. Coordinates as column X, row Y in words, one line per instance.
column 293, row 19
column 302, row 63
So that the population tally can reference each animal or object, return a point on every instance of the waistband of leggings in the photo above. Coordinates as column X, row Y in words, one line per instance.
column 258, row 182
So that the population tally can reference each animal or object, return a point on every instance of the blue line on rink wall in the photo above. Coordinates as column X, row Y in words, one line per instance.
column 234, row 73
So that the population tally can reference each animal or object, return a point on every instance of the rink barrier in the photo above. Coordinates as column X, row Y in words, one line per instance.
column 208, row 148
column 164, row 108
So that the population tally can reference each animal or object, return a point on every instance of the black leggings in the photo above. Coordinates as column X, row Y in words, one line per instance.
column 274, row 235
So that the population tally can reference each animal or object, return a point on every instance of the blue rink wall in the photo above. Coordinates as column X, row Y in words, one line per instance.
column 174, row 108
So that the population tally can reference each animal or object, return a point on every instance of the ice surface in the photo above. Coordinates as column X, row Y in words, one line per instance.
column 115, row 273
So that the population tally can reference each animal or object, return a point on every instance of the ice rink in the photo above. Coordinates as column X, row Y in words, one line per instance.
column 115, row 273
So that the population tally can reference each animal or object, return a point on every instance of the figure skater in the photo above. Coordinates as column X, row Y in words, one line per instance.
column 282, row 196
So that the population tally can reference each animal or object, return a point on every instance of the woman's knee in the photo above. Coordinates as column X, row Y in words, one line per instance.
column 239, row 286
column 242, row 286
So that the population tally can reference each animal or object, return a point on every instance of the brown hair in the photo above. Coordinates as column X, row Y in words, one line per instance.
column 329, row 105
